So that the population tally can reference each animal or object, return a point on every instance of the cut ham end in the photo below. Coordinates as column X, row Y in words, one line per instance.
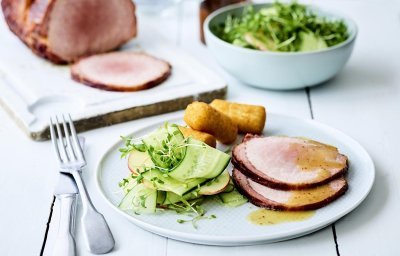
column 290, row 200
column 121, row 71
column 288, row 163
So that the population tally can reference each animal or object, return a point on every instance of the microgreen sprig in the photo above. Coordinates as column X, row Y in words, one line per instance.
column 191, row 208
column 130, row 145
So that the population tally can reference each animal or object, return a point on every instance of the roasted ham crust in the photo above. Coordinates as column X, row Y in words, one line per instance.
column 150, row 84
column 31, row 21
column 14, row 16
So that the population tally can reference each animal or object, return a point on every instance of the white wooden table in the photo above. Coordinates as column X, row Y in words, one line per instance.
column 363, row 101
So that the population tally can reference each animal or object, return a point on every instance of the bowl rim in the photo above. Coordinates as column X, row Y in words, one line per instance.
column 228, row 8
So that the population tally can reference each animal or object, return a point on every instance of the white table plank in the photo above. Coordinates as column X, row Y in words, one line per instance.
column 25, row 190
column 364, row 102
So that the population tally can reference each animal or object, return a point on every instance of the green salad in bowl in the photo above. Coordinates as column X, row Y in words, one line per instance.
column 281, row 28
column 281, row 46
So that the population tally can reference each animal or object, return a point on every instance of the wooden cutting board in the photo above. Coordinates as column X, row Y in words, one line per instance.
column 32, row 89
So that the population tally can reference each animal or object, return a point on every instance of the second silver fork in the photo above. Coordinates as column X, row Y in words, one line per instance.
column 71, row 159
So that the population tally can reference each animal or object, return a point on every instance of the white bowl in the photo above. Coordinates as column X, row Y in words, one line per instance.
column 278, row 70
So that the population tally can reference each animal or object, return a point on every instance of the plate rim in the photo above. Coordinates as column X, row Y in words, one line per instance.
column 210, row 239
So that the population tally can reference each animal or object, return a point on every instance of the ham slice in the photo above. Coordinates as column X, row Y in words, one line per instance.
column 121, row 71
column 288, row 163
column 289, row 200
column 63, row 31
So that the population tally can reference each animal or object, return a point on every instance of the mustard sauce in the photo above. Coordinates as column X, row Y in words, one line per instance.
column 309, row 196
column 320, row 157
column 265, row 217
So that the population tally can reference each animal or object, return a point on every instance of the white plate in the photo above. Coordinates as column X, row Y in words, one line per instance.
column 231, row 226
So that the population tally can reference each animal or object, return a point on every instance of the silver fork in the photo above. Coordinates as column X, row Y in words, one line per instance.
column 71, row 159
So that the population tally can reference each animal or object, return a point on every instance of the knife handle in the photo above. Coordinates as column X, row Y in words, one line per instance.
column 96, row 231
column 65, row 243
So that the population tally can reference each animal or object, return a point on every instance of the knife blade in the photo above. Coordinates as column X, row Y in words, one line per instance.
column 66, row 192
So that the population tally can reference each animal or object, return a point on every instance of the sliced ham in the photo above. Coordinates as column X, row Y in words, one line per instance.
column 64, row 30
column 289, row 200
column 121, row 71
column 288, row 163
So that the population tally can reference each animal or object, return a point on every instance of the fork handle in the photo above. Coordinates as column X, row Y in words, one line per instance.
column 95, row 228
column 65, row 244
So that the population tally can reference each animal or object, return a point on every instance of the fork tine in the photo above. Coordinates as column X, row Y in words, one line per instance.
column 75, row 139
column 68, row 139
column 54, row 140
column 61, row 139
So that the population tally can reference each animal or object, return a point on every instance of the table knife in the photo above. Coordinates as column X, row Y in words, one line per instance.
column 66, row 193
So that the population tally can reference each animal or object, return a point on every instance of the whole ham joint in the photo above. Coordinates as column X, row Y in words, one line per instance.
column 63, row 31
